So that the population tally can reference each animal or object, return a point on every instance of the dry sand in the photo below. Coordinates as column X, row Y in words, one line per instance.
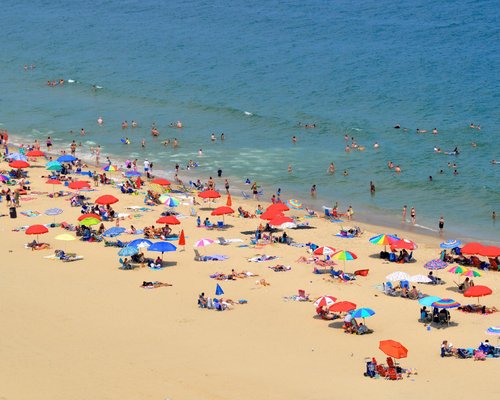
column 86, row 330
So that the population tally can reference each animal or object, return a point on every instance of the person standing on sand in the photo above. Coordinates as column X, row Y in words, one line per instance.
column 404, row 213
column 413, row 215
column 441, row 224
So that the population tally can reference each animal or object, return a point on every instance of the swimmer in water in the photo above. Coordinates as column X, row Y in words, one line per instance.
column 376, row 145
column 390, row 165
column 127, row 141
column 166, row 142
column 435, row 131
column 474, row 144
column 134, row 124
column 494, row 162
column 397, row 169
column 346, row 137
column 289, row 169
column 421, row 130
column 347, row 149
column 346, row 173
column 143, row 143
column 294, row 139
column 100, row 121
column 124, row 125
column 313, row 191
column 200, row 152
column 472, row 126
column 222, row 137
column 397, row 126
column 212, row 137
column 437, row 150
column 82, row 132
column 179, row 124
column 331, row 168
column 176, row 143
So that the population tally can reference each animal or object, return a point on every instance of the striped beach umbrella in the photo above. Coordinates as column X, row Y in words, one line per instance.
column 457, row 269
column 325, row 301
column 383, row 239
column 450, row 244
column 295, row 204
column 203, row 243
column 472, row 274
column 169, row 201
column 435, row 265
column 446, row 303
column 324, row 251
column 493, row 330
column 110, row 168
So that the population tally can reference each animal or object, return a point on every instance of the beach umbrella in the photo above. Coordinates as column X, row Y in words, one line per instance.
column 169, row 220
column 429, row 300
column 209, row 194
column 53, row 182
column 343, row 306
column 53, row 162
column 282, row 222
column 472, row 274
column 4, row 178
column 295, row 204
column 404, row 244
column 36, row 230
column 324, row 251
column 128, row 251
column 325, row 301
column 435, row 265
column 419, row 279
column 446, row 303
column 383, row 239
column 19, row 164
column 269, row 215
column 398, row 276
column 218, row 290
column 363, row 313
column 169, row 201
column 344, row 255
column 203, row 243
column 35, row 153
column 65, row 237
column 17, row 157
column 450, row 244
column 90, row 221
column 493, row 330
column 457, row 269
column 53, row 212
column 54, row 167
column 128, row 174
column 279, row 207
column 182, row 238
column 162, row 247
column 66, row 158
column 478, row 291
column 106, row 199
column 393, row 349
column 161, row 182
column 490, row 251
column 114, row 231
column 140, row 243
column 110, row 168
column 89, row 215
column 79, row 185
column 223, row 210
column 229, row 201
column 472, row 248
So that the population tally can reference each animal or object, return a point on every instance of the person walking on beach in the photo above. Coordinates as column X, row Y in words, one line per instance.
column 441, row 224
column 404, row 213
column 413, row 215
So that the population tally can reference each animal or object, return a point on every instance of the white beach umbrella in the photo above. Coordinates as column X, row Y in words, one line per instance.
column 203, row 242
column 419, row 279
column 398, row 276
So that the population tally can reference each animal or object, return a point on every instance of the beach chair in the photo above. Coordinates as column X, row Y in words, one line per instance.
column 220, row 224
column 198, row 256
column 393, row 375
column 302, row 294
column 381, row 370
column 246, row 196
column 222, row 241
column 327, row 213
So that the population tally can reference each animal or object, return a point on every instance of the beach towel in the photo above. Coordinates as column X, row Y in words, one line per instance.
column 262, row 258
column 29, row 213
column 344, row 236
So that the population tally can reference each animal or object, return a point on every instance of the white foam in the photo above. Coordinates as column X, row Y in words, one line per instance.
column 247, row 113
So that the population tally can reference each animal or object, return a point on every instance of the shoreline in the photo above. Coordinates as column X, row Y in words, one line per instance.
column 362, row 216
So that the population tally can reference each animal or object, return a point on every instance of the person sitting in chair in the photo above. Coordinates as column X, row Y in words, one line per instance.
column 434, row 279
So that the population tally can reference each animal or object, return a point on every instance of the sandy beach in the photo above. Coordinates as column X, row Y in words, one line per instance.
column 86, row 329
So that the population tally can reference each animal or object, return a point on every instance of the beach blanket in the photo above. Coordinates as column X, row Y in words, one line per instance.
column 262, row 258
column 215, row 257
column 139, row 208
column 344, row 236
column 27, row 198
column 29, row 213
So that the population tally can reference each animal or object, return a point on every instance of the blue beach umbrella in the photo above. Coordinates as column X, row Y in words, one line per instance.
column 114, row 231
column 132, row 173
column 427, row 301
column 140, row 243
column 450, row 244
column 162, row 247
column 128, row 251
column 363, row 313
column 66, row 158
column 218, row 290
column 53, row 212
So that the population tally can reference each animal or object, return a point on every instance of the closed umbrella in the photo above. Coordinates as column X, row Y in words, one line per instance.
column 393, row 349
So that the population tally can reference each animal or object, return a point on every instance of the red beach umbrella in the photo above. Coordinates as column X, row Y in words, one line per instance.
column 393, row 348
column 278, row 207
column 209, row 194
column 161, row 182
column 269, row 215
column 35, row 153
column 89, row 215
column 222, row 210
column 490, row 251
column 169, row 220
column 19, row 164
column 36, row 230
column 229, row 201
column 107, row 199
column 343, row 306
column 404, row 244
column 79, row 185
column 472, row 248
column 53, row 182
column 478, row 291
column 280, row 220
column 324, row 251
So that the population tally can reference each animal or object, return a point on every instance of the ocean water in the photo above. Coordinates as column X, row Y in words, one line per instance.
column 254, row 70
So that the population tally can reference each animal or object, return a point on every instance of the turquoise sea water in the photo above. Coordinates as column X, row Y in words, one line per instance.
column 354, row 68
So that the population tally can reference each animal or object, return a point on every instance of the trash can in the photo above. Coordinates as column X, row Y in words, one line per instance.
column 13, row 212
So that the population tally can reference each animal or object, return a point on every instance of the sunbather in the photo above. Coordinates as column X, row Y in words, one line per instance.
column 155, row 284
